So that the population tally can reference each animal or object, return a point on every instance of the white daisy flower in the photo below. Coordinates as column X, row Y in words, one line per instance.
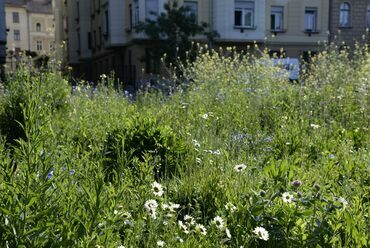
column 151, row 207
column 174, row 206
column 189, row 220
column 196, row 143
column 199, row 228
column 218, row 222
column 157, row 189
column 120, row 246
column 262, row 233
column 205, row 116
column 161, row 243
column 230, row 207
column 183, row 227
column 239, row 167
column 287, row 197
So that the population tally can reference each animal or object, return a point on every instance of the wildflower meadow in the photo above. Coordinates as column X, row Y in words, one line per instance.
column 229, row 154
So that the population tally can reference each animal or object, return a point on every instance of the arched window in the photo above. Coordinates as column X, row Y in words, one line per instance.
column 368, row 16
column 345, row 15
column 38, row 27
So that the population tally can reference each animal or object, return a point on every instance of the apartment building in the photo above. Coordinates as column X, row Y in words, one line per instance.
column 102, row 38
column 2, row 37
column 238, row 22
column 296, row 27
column 349, row 21
column 30, row 26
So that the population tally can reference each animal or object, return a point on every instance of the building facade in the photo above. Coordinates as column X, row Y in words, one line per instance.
column 30, row 26
column 2, row 38
column 296, row 27
column 349, row 21
column 101, row 34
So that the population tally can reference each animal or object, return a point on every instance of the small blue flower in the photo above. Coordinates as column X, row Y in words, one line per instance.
column 72, row 172
column 331, row 156
column 51, row 173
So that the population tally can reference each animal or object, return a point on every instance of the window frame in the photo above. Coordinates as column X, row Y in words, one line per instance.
column 39, row 45
column 16, row 18
column 345, row 8
column 106, row 24
column 149, row 14
column 192, row 11
column 244, row 12
column 274, row 13
column 368, row 16
column 16, row 35
column 38, row 27
column 313, row 11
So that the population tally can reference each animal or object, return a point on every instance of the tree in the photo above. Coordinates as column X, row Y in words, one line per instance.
column 172, row 30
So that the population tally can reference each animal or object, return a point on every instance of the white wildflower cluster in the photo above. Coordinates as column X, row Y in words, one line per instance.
column 230, row 207
column 213, row 152
column 161, row 243
column 189, row 225
column 261, row 233
column 170, row 208
column 151, row 207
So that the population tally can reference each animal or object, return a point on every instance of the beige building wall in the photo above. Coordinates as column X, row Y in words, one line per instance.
column 42, row 32
column 22, row 26
column 294, row 38
column 36, row 31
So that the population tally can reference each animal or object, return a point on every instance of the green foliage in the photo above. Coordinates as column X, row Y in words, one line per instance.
column 172, row 31
column 250, row 159
column 137, row 139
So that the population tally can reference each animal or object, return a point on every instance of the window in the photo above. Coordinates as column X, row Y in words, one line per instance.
column 244, row 14
column 310, row 19
column 17, row 34
column 131, row 17
column 89, row 40
column 15, row 17
column 100, row 37
column 277, row 16
column 95, row 41
column 368, row 16
column 77, row 11
column 39, row 45
column 151, row 7
column 137, row 13
column 106, row 26
column 78, row 42
column 345, row 15
column 152, row 61
column 38, row 27
column 192, row 8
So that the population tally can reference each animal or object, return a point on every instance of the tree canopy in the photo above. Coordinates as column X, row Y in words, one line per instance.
column 173, row 31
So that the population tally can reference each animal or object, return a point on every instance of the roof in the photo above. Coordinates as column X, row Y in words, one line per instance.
column 39, row 6
column 15, row 2
column 34, row 6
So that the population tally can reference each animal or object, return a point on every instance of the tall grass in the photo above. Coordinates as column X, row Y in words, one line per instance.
column 251, row 159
